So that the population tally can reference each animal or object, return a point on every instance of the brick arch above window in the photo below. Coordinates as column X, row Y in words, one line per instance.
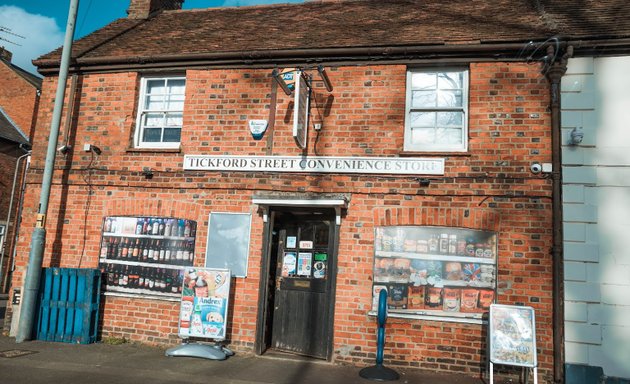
column 473, row 218
column 151, row 207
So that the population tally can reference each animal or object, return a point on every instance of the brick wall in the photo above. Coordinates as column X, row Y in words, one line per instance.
column 18, row 99
column 508, row 129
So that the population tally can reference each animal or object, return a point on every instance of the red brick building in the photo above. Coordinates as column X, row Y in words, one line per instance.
column 19, row 97
column 415, row 175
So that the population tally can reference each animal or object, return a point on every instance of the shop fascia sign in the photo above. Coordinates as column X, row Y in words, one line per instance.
column 316, row 164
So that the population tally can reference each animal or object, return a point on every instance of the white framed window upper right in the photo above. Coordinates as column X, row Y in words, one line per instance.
column 436, row 111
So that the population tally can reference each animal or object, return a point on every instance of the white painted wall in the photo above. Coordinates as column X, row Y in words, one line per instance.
column 596, row 194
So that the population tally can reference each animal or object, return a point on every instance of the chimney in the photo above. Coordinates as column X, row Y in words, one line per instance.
column 5, row 55
column 143, row 9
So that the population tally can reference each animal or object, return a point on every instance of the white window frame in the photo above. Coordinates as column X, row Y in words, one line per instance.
column 138, row 143
column 408, row 145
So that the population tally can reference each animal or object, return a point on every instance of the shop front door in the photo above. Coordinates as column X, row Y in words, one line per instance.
column 302, row 309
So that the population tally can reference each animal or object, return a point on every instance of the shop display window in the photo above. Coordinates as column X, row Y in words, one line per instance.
column 145, row 256
column 435, row 271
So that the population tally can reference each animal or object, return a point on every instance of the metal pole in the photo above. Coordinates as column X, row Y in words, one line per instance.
column 4, row 238
column 34, row 271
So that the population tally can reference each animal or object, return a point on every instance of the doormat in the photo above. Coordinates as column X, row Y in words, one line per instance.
column 15, row 353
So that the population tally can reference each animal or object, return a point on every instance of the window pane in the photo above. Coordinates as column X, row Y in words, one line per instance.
column 423, row 135
column 154, row 103
column 451, row 80
column 177, row 86
column 423, row 99
column 426, row 81
column 172, row 135
column 175, row 103
column 448, row 136
column 152, row 135
column 174, row 119
column 155, row 87
column 153, row 120
column 450, row 119
column 422, row 119
column 449, row 98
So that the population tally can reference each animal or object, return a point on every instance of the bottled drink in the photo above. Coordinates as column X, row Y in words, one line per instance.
column 167, row 252
column 145, row 225
column 179, row 255
column 104, row 247
column 125, row 248
column 108, row 225
column 115, row 248
column 155, row 227
column 160, row 226
column 139, row 224
column 444, row 243
column 187, row 228
column 180, row 228
column 136, row 250
column 160, row 249
column 110, row 274
column 141, row 272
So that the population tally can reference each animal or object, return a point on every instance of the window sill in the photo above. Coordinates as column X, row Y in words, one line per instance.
column 441, row 154
column 425, row 315
column 153, row 150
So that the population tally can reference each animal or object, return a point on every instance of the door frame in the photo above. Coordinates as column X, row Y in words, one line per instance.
column 262, row 318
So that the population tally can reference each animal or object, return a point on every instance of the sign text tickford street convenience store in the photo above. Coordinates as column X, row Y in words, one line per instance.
column 315, row 164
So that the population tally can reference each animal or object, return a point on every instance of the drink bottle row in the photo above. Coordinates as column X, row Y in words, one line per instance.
column 174, row 252
column 136, row 277
column 151, row 226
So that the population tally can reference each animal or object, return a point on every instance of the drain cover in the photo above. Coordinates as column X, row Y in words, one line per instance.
column 15, row 353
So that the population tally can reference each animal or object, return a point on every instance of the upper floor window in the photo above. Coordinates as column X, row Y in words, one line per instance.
column 437, row 104
column 160, row 112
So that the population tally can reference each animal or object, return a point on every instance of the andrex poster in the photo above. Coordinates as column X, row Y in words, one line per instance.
column 204, row 303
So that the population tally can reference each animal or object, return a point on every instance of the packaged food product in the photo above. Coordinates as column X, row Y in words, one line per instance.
column 486, row 297
column 470, row 298
column 397, row 296
column 416, row 297
column 471, row 271
column 451, row 300
column 453, row 271
column 409, row 246
column 376, row 290
column 433, row 297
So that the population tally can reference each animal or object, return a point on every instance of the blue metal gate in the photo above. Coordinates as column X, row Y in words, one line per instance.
column 69, row 305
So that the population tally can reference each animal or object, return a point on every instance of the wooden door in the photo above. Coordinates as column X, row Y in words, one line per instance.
column 302, row 299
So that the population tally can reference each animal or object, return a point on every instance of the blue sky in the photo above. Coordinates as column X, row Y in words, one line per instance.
column 42, row 23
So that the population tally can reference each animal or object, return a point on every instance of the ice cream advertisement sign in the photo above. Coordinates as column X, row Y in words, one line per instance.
column 204, row 303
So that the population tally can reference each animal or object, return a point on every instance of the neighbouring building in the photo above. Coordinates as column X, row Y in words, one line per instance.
column 19, row 97
column 596, row 162
column 324, row 152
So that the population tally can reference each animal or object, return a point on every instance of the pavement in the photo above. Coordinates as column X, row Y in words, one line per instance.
column 35, row 362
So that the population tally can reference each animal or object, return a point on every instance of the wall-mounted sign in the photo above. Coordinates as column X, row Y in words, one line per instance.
column 257, row 128
column 228, row 242
column 306, row 244
column 317, row 164
column 301, row 109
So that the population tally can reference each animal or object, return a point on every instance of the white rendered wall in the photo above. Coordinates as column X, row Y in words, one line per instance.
column 596, row 194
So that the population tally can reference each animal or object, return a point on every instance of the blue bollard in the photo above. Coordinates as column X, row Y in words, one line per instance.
column 379, row 372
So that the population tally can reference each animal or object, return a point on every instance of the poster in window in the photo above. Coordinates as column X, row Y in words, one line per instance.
column 304, row 264
column 289, row 261
column 441, row 271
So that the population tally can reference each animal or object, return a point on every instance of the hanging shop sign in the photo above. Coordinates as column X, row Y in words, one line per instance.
column 435, row 271
column 316, row 164
column 144, row 256
column 204, row 303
